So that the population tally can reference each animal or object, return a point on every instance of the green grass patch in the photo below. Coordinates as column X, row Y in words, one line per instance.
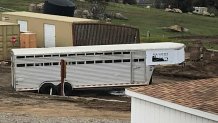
column 156, row 39
column 210, row 46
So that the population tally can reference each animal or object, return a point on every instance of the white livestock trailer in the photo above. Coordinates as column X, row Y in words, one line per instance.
column 91, row 66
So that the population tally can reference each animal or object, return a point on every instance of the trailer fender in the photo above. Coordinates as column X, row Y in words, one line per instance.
column 67, row 89
column 47, row 88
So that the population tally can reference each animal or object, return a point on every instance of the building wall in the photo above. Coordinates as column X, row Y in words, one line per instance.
column 147, row 112
column 6, row 34
column 63, row 30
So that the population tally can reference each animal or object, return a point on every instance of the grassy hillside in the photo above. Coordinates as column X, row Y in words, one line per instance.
column 20, row 5
column 154, row 19
column 151, row 20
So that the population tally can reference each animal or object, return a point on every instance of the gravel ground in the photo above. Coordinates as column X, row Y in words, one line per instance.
column 24, row 118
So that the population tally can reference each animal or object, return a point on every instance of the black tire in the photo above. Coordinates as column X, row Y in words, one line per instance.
column 150, row 82
column 46, row 87
column 67, row 89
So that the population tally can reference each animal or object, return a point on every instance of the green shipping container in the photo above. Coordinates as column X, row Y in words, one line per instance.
column 9, row 38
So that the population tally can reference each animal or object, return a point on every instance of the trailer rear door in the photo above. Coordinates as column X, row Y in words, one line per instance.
column 138, row 67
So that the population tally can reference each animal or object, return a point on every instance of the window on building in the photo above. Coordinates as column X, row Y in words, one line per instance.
column 117, row 61
column 29, row 65
column 20, row 65
column 55, row 55
column 80, row 62
column 38, row 56
column 20, row 57
column 80, row 54
column 126, row 60
column 29, row 56
column 108, row 61
column 72, row 63
column 141, row 60
column 98, row 61
column 63, row 55
column 117, row 53
column 136, row 60
column 71, row 54
column 47, row 64
column 55, row 63
column 47, row 55
column 23, row 25
column 90, row 54
column 99, row 53
column 90, row 62
column 126, row 52
column 108, row 53
column 38, row 64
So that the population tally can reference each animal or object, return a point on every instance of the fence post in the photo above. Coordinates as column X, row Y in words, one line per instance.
column 63, row 75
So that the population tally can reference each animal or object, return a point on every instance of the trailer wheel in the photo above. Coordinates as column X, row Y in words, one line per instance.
column 67, row 89
column 48, row 88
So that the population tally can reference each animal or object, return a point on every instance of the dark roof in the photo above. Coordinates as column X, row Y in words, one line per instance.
column 61, row 2
column 197, row 94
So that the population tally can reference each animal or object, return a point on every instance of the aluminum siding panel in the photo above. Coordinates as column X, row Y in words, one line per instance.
column 99, row 74
column 147, row 112
column 80, row 75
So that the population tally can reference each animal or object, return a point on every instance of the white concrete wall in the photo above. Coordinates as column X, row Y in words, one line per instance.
column 147, row 112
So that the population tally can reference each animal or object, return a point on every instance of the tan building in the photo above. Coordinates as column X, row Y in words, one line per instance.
column 51, row 30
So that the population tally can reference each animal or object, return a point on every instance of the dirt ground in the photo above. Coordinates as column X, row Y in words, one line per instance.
column 45, row 105
column 97, row 104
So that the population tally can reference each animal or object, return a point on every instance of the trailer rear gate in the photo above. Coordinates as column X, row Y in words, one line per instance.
column 103, row 34
column 9, row 33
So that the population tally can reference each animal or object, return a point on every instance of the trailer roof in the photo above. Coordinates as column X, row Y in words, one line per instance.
column 99, row 48
column 2, row 23
column 49, row 17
